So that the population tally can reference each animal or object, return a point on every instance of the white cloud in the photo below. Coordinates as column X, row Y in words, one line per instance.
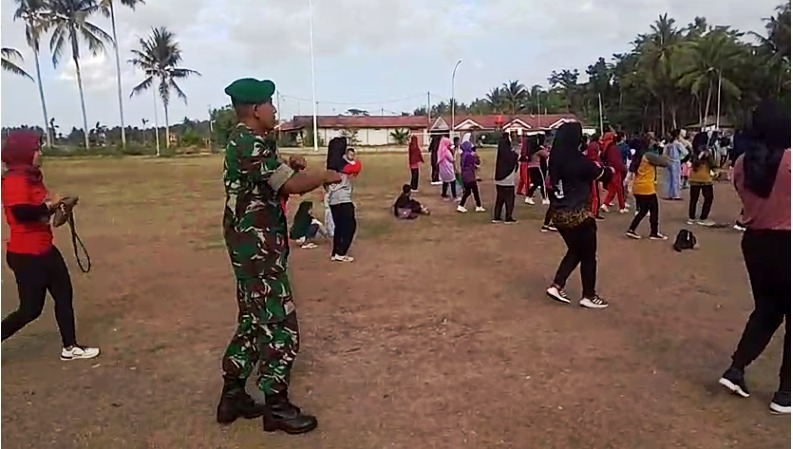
column 366, row 49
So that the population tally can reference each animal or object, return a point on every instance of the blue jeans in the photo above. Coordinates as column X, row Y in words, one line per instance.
column 672, row 189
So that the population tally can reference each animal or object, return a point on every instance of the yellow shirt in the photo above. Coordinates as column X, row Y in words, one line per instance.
column 644, row 179
column 701, row 176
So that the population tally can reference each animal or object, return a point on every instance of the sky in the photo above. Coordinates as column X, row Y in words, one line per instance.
column 379, row 55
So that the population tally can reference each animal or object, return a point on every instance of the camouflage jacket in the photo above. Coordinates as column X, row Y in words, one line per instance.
column 254, row 220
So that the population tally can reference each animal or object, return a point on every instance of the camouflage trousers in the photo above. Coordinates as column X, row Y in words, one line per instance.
column 267, row 333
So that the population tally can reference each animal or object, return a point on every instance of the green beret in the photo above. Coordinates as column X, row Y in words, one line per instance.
column 250, row 91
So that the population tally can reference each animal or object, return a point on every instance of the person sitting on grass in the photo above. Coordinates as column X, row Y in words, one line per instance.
column 406, row 207
column 306, row 228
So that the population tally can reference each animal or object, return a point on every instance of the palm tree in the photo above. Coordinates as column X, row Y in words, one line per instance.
column 496, row 99
column 106, row 7
column 658, row 52
column 706, row 64
column 68, row 20
column 515, row 94
column 400, row 136
column 30, row 11
column 158, row 57
column 9, row 57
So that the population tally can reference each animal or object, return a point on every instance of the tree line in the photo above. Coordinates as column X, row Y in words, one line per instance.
column 673, row 76
column 68, row 24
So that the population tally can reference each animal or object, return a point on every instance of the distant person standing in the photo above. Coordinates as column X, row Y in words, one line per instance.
column 675, row 151
column 762, row 179
column 434, row 146
column 257, row 182
column 415, row 159
column 446, row 169
column 506, row 167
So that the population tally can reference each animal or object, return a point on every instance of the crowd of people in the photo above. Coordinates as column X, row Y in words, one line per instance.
column 567, row 169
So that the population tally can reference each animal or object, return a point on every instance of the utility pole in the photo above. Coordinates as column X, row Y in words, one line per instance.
column 382, row 112
column 209, row 111
column 429, row 111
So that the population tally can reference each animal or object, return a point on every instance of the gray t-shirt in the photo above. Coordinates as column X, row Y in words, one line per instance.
column 508, row 181
column 340, row 193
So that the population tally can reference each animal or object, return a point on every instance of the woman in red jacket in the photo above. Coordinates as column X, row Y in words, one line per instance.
column 37, row 264
column 613, row 158
column 415, row 159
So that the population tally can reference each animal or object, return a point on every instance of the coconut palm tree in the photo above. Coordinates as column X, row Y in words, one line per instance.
column 658, row 51
column 68, row 20
column 9, row 58
column 31, row 12
column 107, row 9
column 158, row 57
column 514, row 96
column 706, row 64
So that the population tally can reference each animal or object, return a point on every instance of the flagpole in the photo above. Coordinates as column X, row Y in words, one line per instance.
column 313, row 75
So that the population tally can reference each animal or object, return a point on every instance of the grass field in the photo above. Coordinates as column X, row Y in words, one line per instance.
column 437, row 336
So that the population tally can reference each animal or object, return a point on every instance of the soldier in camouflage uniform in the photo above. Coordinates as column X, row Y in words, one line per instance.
column 257, row 182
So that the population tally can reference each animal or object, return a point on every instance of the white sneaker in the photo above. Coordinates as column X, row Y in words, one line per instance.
column 337, row 258
column 604, row 208
column 309, row 245
column 436, row 183
column 461, row 209
column 706, row 223
column 78, row 352
column 595, row 302
column 624, row 210
column 529, row 201
column 691, row 222
column 480, row 209
column 546, row 201
column 557, row 294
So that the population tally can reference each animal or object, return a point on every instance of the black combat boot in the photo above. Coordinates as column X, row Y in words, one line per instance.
column 283, row 415
column 236, row 403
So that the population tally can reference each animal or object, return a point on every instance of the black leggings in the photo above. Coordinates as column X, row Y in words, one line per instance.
column 646, row 204
column 547, row 220
column 435, row 175
column 445, row 189
column 537, row 181
column 345, row 224
column 581, row 244
column 35, row 275
column 505, row 199
column 414, row 179
column 707, row 193
column 767, row 257
column 468, row 189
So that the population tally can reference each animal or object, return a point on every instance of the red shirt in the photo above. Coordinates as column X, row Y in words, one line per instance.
column 25, row 238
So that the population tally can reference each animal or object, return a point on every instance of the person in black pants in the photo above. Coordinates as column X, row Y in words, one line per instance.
column 506, row 167
column 762, row 179
column 642, row 170
column 572, row 178
column 37, row 264
column 346, row 225
column 435, row 178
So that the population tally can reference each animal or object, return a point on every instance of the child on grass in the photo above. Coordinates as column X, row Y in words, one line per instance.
column 306, row 228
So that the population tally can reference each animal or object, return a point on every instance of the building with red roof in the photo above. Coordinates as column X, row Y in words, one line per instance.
column 386, row 130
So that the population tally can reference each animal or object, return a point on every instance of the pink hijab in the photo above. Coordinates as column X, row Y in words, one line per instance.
column 445, row 160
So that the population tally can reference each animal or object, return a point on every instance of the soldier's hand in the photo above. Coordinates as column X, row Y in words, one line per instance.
column 332, row 177
column 297, row 162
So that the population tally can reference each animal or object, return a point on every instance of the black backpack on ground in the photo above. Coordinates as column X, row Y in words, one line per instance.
column 685, row 240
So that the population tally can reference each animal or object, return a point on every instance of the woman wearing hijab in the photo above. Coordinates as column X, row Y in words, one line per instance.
column 37, row 264
column 523, row 166
column 414, row 160
column 506, row 166
column 469, row 163
column 536, row 177
column 675, row 151
column 435, row 141
column 446, row 168
column 340, row 200
column 700, row 180
column 762, row 180
column 642, row 184
column 573, row 177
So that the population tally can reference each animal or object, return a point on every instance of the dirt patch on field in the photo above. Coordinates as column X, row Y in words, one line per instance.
column 439, row 335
